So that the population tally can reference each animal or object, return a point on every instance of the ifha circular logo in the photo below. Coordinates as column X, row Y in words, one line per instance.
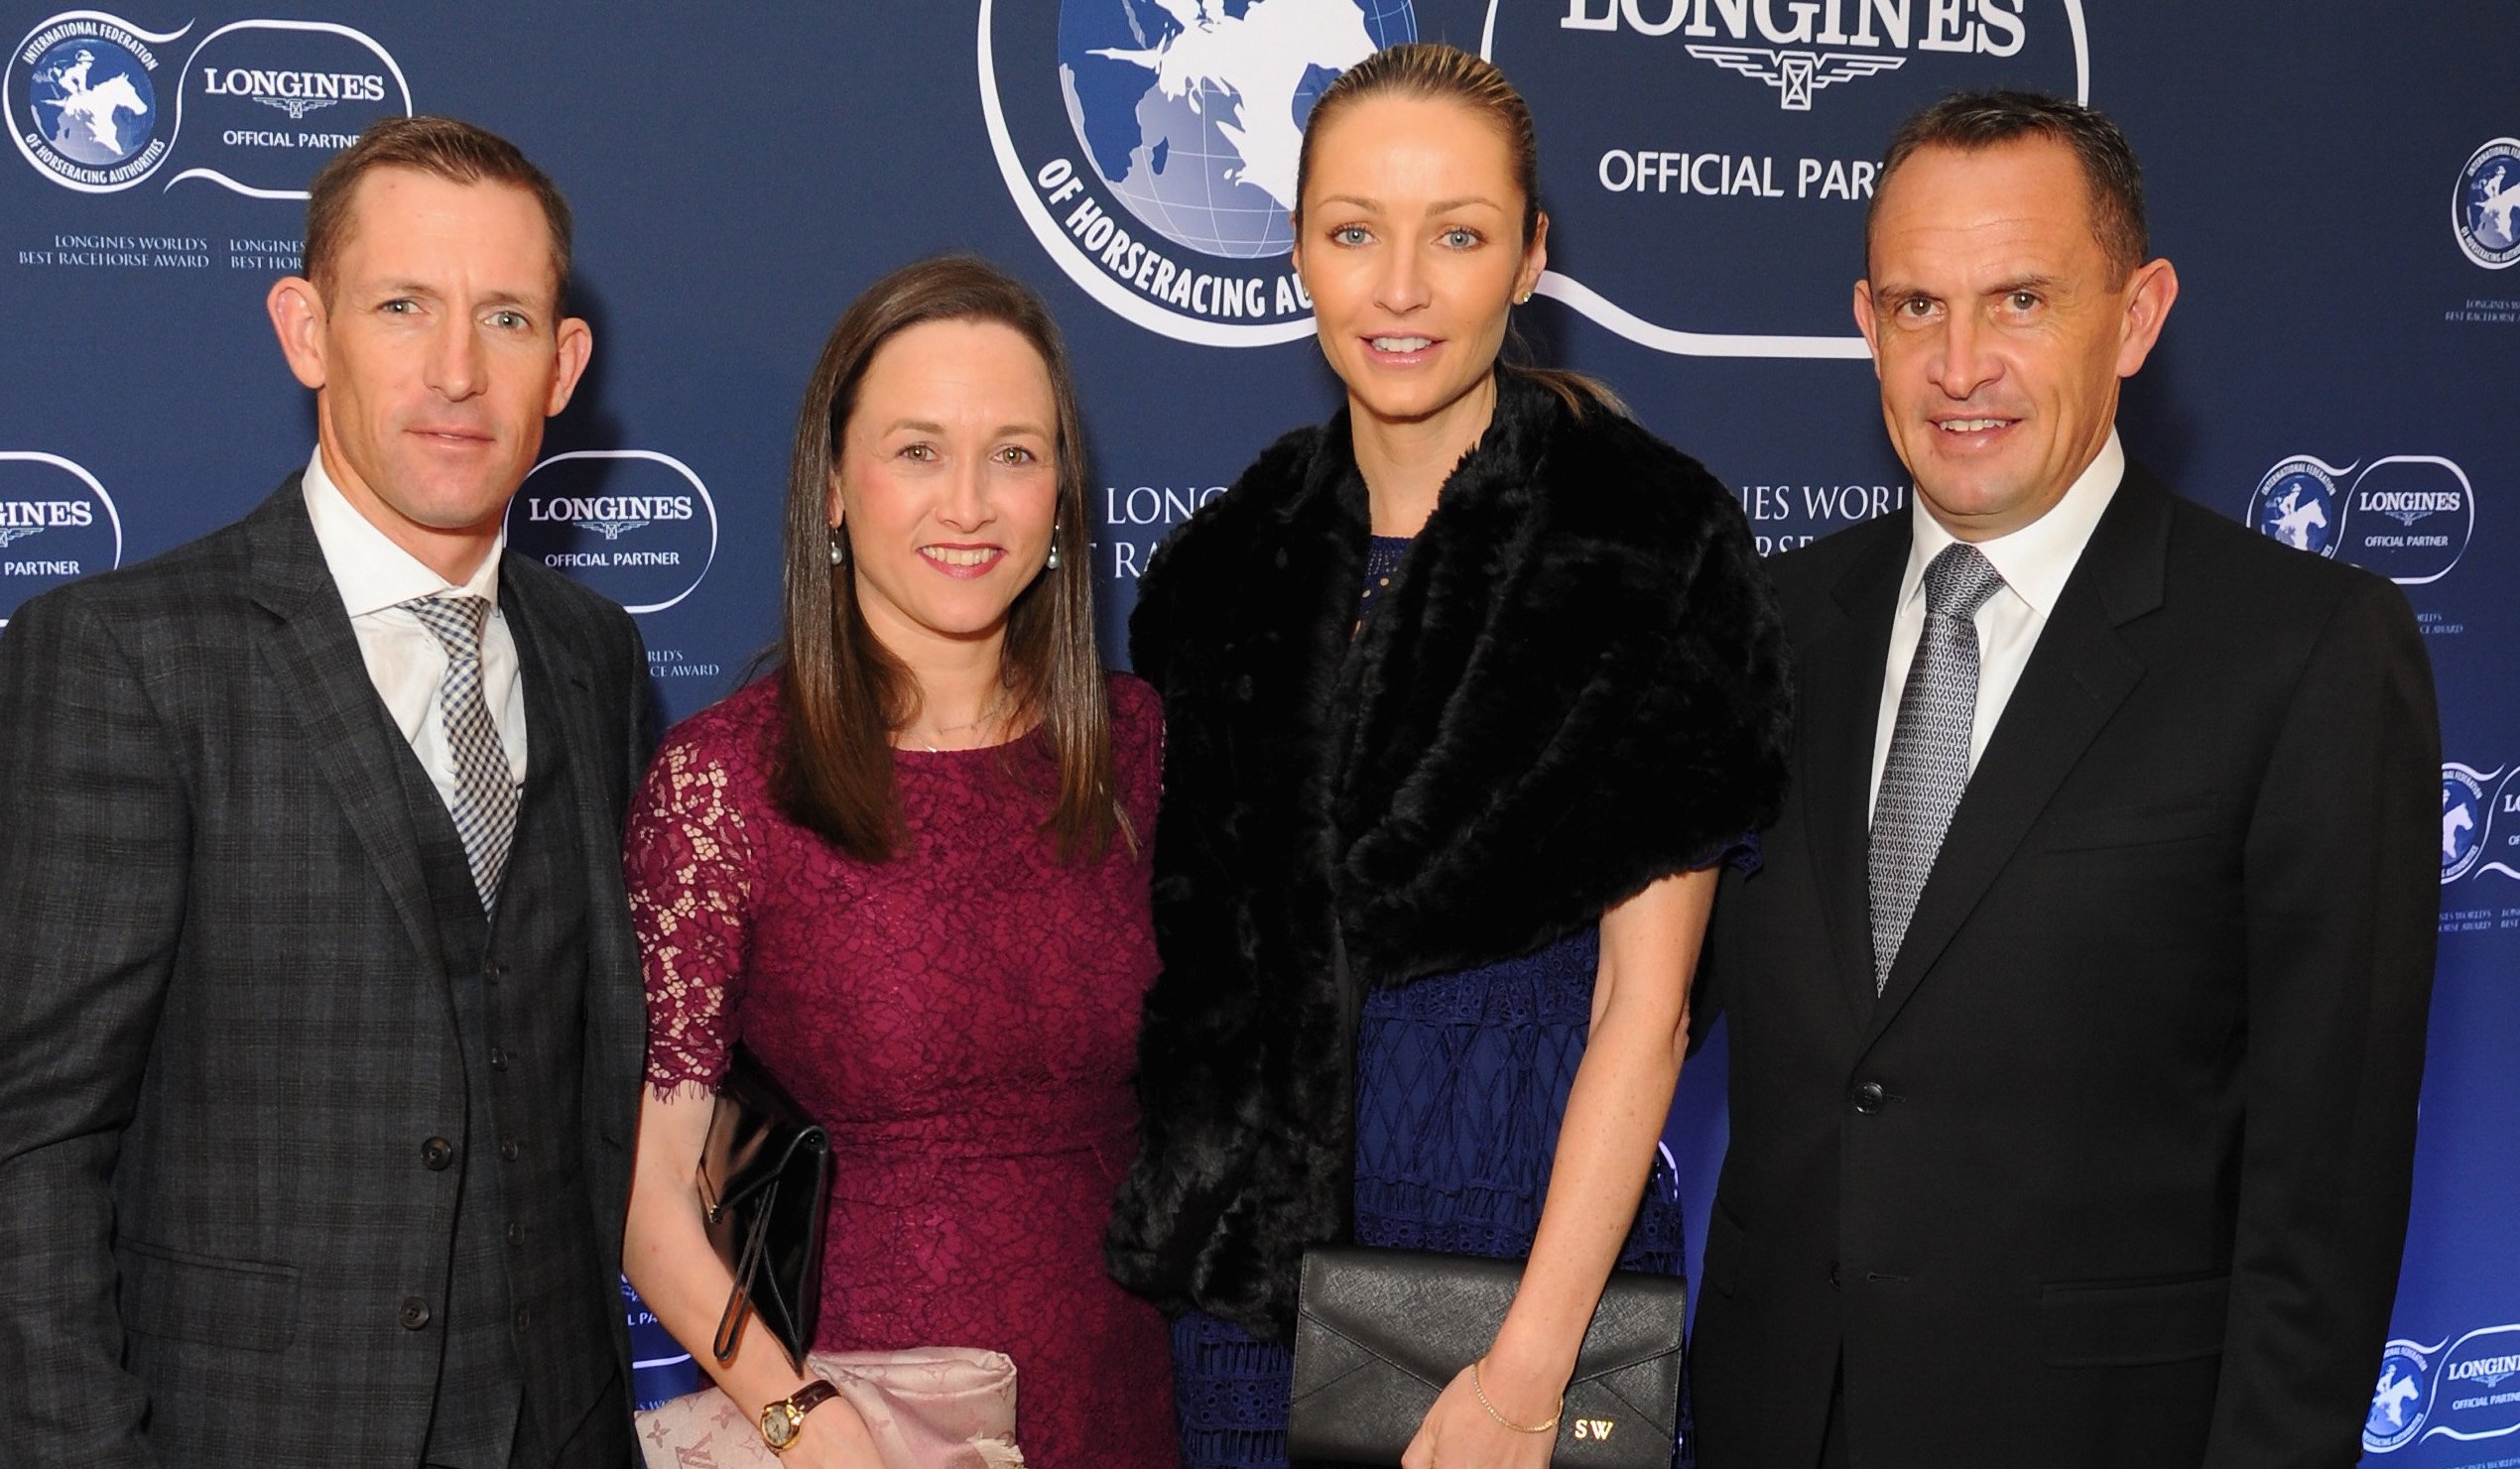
column 1151, row 146
column 2466, row 814
column 2398, row 1402
column 2485, row 209
column 2296, row 503
column 83, row 101
column 57, row 524
column 635, row 524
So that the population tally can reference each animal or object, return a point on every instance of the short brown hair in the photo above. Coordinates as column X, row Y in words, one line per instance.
column 1969, row 121
column 442, row 146
column 843, row 695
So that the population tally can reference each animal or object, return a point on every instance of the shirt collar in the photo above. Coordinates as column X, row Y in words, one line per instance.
column 371, row 571
column 2036, row 560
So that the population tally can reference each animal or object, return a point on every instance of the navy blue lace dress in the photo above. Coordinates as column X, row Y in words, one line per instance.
column 1461, row 1082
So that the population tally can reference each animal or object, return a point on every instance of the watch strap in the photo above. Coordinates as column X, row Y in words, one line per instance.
column 794, row 1408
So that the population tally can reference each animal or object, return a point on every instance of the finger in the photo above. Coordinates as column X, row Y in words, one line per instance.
column 1420, row 1454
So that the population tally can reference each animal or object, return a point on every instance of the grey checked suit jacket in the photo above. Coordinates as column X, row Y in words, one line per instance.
column 223, row 1019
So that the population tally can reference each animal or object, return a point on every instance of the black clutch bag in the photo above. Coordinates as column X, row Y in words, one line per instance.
column 1379, row 1334
column 762, row 1175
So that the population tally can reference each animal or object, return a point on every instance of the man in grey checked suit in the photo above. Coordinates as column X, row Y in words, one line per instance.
column 319, row 1014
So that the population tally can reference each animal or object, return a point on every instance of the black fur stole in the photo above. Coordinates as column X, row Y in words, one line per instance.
column 1574, row 685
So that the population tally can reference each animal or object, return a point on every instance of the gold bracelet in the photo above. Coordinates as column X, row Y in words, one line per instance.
column 1481, row 1390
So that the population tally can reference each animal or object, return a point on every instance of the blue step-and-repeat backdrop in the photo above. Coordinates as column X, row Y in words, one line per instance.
column 2337, row 180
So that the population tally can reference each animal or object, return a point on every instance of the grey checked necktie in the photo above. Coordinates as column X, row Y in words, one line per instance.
column 484, row 807
column 1927, row 767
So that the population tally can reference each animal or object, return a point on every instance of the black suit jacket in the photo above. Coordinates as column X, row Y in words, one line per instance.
column 226, row 1029
column 2115, row 1172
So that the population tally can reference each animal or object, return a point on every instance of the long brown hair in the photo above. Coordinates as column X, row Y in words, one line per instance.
column 1429, row 71
column 845, row 693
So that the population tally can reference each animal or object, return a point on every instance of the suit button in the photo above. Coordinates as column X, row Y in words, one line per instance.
column 1869, row 1097
column 507, row 1149
column 1833, row 1275
column 415, row 1313
column 436, row 1153
column 494, row 971
column 523, row 1321
column 498, row 1060
column 516, row 1235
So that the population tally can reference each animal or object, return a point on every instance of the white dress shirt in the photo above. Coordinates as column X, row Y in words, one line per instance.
column 2034, row 561
column 405, row 660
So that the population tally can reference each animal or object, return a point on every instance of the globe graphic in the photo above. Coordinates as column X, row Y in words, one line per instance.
column 1192, row 111
column 93, row 100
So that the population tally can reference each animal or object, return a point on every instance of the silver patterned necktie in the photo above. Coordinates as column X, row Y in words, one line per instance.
column 485, row 808
column 1927, row 767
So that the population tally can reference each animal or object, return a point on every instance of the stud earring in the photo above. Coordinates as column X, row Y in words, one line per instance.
column 1052, row 563
column 840, row 547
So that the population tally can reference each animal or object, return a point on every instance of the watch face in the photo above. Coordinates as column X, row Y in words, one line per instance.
column 777, row 1426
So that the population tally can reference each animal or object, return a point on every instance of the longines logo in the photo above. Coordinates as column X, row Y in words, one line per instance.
column 1787, row 61
column 610, row 515
column 1151, row 147
column 88, row 111
column 635, row 524
column 1742, row 138
column 2451, row 1389
column 2407, row 517
column 2481, row 811
column 293, row 92
column 57, row 522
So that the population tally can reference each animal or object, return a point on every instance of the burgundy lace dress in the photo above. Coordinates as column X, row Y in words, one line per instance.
column 962, row 1018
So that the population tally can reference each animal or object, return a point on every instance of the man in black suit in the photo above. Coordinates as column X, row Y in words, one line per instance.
column 2076, row 1016
column 320, row 1021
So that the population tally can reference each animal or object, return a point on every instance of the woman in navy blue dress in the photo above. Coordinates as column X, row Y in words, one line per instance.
column 1466, row 693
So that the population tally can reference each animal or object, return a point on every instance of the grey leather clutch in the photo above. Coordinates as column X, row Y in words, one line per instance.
column 1379, row 1334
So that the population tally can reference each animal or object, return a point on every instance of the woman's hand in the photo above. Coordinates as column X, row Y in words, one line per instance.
column 1459, row 1433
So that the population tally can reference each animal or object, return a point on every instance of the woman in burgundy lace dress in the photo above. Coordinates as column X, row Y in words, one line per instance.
column 907, row 871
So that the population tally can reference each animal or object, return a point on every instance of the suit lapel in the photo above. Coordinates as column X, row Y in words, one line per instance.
column 1840, row 691
column 2076, row 676
column 315, row 655
column 559, row 689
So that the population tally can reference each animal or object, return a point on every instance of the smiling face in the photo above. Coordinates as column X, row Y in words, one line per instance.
column 1999, row 328
column 947, row 482
column 1409, row 242
column 435, row 351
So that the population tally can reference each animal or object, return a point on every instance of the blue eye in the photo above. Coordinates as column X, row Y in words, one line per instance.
column 1350, row 234
column 1461, row 238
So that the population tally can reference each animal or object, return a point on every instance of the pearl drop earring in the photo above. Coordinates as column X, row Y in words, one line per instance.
column 1052, row 563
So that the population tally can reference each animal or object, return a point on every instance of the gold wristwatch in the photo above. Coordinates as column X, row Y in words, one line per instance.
column 784, row 1420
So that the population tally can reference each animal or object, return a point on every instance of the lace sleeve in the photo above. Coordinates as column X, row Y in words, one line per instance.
column 688, row 860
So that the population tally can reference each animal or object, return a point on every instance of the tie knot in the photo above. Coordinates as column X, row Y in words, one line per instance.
column 457, row 621
column 1959, row 580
